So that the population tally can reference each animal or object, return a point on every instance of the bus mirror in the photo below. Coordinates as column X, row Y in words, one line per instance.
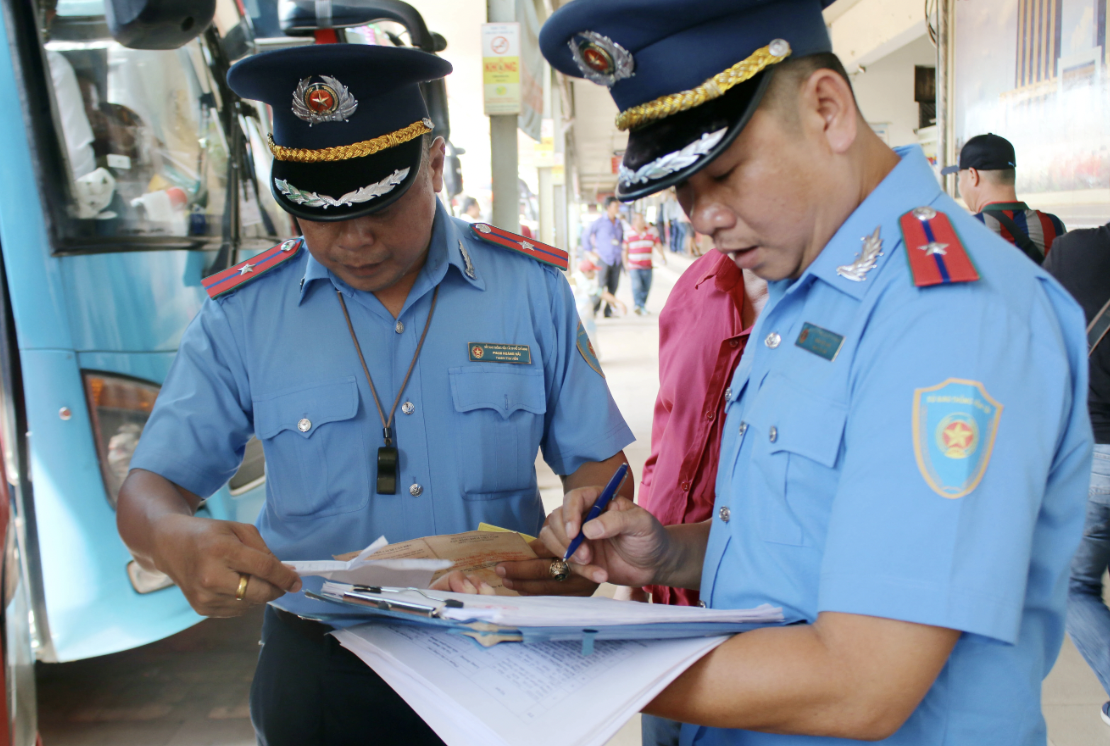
column 305, row 17
column 157, row 24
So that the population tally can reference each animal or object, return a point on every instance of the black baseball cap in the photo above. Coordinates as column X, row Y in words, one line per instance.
column 987, row 152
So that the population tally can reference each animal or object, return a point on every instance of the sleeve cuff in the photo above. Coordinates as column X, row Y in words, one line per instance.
column 603, row 447
column 919, row 602
column 169, row 466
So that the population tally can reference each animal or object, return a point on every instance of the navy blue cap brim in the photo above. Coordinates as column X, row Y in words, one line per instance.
column 363, row 186
column 949, row 170
column 731, row 113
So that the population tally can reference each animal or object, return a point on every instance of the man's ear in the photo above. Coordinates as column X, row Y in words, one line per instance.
column 974, row 177
column 437, row 155
column 826, row 102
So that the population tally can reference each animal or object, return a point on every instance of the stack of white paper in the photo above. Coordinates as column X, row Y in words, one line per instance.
column 364, row 570
column 546, row 694
column 570, row 611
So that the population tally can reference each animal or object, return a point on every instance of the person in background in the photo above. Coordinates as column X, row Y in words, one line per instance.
column 639, row 243
column 587, row 293
column 988, row 171
column 605, row 238
column 703, row 330
column 471, row 210
column 1081, row 262
column 671, row 219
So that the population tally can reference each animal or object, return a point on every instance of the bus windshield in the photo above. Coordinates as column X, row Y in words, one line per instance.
column 147, row 151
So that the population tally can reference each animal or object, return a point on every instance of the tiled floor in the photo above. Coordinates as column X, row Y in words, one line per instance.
column 188, row 690
column 192, row 689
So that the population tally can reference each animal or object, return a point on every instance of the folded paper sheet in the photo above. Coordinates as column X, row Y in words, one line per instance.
column 366, row 568
column 420, row 562
column 473, row 552
column 547, row 694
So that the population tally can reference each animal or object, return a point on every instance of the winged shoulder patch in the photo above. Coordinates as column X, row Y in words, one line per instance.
column 235, row 277
column 541, row 252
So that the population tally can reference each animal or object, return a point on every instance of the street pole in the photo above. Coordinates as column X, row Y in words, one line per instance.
column 943, row 75
column 504, row 166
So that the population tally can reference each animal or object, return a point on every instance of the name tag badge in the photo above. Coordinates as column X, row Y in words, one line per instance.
column 490, row 352
column 820, row 342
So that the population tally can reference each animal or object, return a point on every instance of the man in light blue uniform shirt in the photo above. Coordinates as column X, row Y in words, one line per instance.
column 401, row 368
column 906, row 449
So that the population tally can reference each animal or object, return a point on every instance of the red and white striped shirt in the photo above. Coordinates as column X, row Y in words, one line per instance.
column 639, row 248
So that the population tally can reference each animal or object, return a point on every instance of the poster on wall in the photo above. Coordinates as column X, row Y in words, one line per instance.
column 1037, row 72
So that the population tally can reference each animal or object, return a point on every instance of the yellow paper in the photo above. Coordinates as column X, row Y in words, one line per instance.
column 491, row 527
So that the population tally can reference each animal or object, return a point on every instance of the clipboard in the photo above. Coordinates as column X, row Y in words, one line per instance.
column 355, row 605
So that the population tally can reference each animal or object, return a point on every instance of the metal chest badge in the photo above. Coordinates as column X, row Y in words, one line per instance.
column 601, row 59
column 327, row 101
column 865, row 260
column 954, row 427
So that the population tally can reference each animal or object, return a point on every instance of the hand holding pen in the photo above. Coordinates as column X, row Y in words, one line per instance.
column 624, row 544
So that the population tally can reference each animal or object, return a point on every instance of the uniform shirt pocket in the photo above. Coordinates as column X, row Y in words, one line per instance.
column 316, row 455
column 803, row 438
column 498, row 426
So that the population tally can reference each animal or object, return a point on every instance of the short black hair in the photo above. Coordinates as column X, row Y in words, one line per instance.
column 1001, row 176
column 791, row 73
column 610, row 200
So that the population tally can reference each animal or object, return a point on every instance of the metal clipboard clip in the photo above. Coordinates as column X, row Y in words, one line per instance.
column 372, row 596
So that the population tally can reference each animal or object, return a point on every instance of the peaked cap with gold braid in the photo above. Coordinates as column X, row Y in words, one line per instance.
column 348, row 119
column 686, row 76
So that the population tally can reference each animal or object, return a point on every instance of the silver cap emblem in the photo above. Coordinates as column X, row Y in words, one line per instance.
column 329, row 101
column 601, row 59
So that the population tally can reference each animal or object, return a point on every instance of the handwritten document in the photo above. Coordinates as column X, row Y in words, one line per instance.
column 518, row 694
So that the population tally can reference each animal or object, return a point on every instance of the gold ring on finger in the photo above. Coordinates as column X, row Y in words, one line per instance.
column 558, row 570
column 243, row 580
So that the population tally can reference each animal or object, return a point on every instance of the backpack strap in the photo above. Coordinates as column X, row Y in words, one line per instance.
column 1021, row 238
column 1097, row 329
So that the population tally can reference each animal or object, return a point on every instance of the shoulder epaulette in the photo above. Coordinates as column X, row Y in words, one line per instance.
column 936, row 255
column 235, row 277
column 541, row 252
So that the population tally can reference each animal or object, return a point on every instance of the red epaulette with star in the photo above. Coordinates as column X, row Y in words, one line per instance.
column 541, row 252
column 936, row 255
column 231, row 278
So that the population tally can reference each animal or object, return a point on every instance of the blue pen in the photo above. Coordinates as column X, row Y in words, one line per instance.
column 600, row 504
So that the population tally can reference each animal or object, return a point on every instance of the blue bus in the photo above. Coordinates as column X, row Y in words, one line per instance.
column 129, row 172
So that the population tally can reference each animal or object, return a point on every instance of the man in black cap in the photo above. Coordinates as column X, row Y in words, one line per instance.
column 906, row 448
column 987, row 175
column 401, row 371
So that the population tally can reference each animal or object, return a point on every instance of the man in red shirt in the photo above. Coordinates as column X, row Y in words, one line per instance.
column 638, row 246
column 702, row 333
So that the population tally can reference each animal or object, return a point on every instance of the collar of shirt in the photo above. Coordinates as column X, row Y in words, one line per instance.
column 1015, row 206
column 903, row 189
column 444, row 250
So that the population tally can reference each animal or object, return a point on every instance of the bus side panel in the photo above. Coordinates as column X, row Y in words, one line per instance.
column 134, row 301
column 91, row 605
